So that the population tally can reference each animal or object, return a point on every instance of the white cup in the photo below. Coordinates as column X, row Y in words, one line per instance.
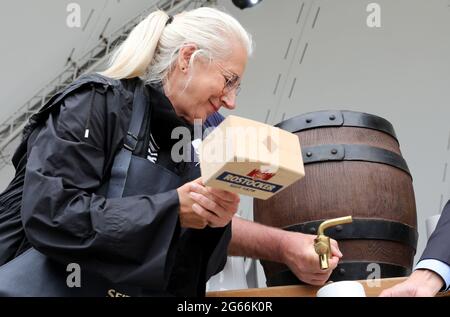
column 342, row 289
column 431, row 223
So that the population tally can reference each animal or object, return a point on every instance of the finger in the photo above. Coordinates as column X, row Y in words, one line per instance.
column 307, row 278
column 198, row 188
column 320, row 276
column 312, row 278
column 229, row 207
column 198, row 181
column 335, row 248
column 224, row 195
column 314, row 265
column 211, row 218
column 317, row 282
column 326, row 272
column 208, row 204
column 333, row 262
column 224, row 213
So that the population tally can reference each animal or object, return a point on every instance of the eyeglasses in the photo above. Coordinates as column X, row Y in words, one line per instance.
column 232, row 81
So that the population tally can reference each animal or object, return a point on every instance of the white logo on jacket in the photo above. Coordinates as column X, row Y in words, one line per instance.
column 153, row 148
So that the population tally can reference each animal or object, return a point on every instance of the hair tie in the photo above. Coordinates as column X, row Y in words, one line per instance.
column 169, row 20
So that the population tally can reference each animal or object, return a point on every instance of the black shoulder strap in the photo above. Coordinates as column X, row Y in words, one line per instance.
column 53, row 102
column 122, row 160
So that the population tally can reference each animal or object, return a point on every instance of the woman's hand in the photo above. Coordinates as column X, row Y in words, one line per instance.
column 201, row 206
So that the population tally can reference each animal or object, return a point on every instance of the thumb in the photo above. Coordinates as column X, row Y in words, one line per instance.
column 198, row 181
column 333, row 262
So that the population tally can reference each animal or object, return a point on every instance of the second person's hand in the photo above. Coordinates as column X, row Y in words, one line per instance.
column 297, row 251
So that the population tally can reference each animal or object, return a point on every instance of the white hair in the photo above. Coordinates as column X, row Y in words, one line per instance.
column 152, row 47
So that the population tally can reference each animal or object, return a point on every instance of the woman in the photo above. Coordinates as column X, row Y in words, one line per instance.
column 150, row 225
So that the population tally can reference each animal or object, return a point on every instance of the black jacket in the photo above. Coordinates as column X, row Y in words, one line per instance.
column 438, row 245
column 54, row 194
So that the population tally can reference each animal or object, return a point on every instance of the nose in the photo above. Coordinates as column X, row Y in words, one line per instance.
column 229, row 100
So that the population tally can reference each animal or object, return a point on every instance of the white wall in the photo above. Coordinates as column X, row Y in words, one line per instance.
column 36, row 41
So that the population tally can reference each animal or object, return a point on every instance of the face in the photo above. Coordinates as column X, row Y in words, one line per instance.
column 213, row 85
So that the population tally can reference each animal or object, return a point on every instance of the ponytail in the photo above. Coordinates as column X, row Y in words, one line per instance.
column 135, row 54
column 152, row 48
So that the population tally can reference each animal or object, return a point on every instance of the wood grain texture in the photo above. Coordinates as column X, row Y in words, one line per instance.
column 336, row 189
column 372, row 289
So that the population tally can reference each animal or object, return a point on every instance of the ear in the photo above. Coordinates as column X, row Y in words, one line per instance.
column 185, row 56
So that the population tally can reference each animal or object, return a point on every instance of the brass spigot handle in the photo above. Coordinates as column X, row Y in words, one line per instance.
column 323, row 258
column 322, row 243
column 322, row 247
column 333, row 222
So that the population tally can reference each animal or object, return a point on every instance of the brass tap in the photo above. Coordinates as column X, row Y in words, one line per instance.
column 322, row 242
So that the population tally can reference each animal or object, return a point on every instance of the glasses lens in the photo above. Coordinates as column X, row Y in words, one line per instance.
column 238, row 89
column 232, row 81
column 232, row 84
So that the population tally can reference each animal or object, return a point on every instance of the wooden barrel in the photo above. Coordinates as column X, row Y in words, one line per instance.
column 353, row 166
